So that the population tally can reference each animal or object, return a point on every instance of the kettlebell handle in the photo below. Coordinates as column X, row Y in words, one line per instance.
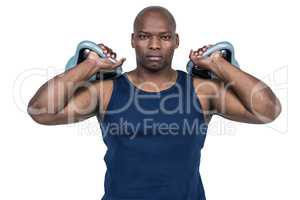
column 80, row 56
column 227, row 52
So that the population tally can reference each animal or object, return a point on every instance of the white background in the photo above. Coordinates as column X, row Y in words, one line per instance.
column 239, row 161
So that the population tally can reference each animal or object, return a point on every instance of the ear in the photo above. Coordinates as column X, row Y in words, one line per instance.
column 132, row 40
column 177, row 40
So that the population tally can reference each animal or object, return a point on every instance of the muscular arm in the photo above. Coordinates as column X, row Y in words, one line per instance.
column 236, row 95
column 241, row 96
column 67, row 97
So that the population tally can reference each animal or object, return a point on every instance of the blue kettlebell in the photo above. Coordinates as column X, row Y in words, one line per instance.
column 79, row 56
column 227, row 52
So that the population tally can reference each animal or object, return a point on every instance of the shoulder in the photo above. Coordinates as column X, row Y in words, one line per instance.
column 104, row 89
column 206, row 90
column 103, row 86
column 206, row 86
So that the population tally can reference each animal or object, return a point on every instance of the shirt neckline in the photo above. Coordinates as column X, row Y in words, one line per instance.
column 159, row 92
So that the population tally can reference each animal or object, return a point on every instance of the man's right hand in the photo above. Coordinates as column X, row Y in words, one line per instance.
column 102, row 64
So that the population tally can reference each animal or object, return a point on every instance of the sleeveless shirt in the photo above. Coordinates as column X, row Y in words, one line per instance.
column 154, row 142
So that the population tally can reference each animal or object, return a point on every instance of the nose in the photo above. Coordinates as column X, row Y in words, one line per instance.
column 154, row 43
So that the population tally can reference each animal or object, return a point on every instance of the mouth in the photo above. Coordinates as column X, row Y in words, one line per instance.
column 154, row 57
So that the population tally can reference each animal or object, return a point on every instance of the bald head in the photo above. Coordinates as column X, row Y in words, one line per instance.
column 154, row 11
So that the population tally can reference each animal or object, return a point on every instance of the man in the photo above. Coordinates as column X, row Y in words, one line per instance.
column 148, row 115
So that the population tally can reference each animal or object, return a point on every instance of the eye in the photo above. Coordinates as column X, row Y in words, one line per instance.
column 143, row 36
column 166, row 37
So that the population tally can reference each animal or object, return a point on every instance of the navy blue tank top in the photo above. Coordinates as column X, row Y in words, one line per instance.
column 153, row 142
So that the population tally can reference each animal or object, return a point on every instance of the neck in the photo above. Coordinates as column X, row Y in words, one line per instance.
column 160, row 76
column 161, row 79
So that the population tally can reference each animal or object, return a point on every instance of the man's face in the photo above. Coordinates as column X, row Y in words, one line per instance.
column 154, row 41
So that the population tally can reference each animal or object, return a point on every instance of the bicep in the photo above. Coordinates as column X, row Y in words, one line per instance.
column 82, row 105
column 227, row 104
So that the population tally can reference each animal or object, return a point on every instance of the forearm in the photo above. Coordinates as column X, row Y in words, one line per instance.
column 255, row 95
column 52, row 96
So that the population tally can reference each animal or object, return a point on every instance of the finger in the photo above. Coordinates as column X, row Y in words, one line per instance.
column 119, row 62
column 202, row 47
column 106, row 61
column 86, row 53
column 109, row 50
column 200, row 50
column 105, row 51
column 102, row 46
column 109, row 61
column 193, row 54
column 113, row 55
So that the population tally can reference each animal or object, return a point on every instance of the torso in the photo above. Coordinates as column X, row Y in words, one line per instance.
column 153, row 138
column 199, row 85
